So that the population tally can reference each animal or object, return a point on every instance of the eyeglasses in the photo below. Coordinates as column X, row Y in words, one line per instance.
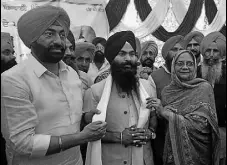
column 181, row 64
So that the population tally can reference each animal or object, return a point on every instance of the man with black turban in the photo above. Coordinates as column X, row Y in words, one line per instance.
column 123, row 141
column 162, row 78
column 41, row 97
column 213, row 49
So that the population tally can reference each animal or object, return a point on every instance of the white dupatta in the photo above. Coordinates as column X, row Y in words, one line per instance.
column 94, row 149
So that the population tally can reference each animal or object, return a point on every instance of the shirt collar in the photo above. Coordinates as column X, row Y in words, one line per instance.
column 39, row 69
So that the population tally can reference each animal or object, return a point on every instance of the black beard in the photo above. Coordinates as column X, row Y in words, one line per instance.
column 44, row 54
column 148, row 63
column 99, row 57
column 125, row 78
column 7, row 65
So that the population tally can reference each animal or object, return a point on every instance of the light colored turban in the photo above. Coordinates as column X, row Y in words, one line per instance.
column 216, row 37
column 84, row 46
column 151, row 45
column 170, row 43
column 35, row 22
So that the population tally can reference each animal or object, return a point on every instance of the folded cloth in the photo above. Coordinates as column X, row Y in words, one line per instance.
column 94, row 150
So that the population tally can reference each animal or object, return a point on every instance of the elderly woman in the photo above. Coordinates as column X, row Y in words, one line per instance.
column 192, row 136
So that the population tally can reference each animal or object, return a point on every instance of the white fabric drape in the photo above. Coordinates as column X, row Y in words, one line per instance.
column 152, row 22
column 180, row 11
column 94, row 150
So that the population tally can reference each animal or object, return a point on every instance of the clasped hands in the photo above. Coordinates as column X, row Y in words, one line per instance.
column 136, row 136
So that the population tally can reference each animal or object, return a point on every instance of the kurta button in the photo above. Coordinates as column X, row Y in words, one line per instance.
column 125, row 162
column 125, row 112
column 123, row 96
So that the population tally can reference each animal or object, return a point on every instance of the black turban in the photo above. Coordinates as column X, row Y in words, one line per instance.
column 71, row 39
column 116, row 42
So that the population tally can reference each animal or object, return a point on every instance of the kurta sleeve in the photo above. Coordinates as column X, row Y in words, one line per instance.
column 89, row 101
column 19, row 119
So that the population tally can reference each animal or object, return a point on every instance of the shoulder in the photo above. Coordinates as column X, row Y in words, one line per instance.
column 97, row 89
column 149, row 87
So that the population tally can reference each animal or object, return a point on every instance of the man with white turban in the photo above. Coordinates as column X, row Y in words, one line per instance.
column 148, row 54
column 213, row 49
column 42, row 97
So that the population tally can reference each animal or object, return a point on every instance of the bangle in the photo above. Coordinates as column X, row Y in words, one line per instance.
column 121, row 138
column 60, row 143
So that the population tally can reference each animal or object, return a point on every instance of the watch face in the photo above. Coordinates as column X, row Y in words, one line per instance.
column 153, row 135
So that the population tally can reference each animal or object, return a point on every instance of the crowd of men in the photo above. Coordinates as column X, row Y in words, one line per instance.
column 48, row 100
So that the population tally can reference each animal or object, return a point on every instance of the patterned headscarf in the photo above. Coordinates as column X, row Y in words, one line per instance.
column 33, row 23
column 216, row 37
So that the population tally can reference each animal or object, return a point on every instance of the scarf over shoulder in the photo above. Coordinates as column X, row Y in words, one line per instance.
column 186, row 139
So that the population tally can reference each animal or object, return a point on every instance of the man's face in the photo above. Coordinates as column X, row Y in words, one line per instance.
column 194, row 47
column 212, row 55
column 147, row 58
column 171, row 54
column 50, row 47
column 7, row 54
column 99, row 47
column 69, row 52
column 213, row 64
column 83, row 61
column 126, row 59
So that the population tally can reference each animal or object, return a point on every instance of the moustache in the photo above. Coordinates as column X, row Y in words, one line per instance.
column 56, row 47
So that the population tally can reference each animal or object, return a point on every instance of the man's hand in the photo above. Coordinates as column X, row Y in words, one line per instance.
column 89, row 115
column 95, row 131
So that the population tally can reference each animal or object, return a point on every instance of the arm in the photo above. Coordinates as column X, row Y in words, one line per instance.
column 19, row 120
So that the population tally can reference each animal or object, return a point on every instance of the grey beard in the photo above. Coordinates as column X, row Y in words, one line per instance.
column 213, row 73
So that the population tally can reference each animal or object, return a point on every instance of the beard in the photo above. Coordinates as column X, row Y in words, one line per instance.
column 99, row 57
column 7, row 65
column 148, row 62
column 126, row 79
column 48, row 54
column 212, row 73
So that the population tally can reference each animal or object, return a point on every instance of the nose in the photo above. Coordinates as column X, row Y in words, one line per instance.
column 127, row 57
column 67, row 51
column 57, row 39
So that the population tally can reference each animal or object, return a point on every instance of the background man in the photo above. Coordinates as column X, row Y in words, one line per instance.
column 84, row 53
column 213, row 49
column 162, row 78
column 192, row 43
column 99, row 63
column 8, row 60
column 148, row 54
column 42, row 97
column 122, row 110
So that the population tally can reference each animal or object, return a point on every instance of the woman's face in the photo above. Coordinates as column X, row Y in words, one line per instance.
column 185, row 67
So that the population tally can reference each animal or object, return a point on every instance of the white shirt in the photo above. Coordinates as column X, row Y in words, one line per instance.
column 93, row 71
column 36, row 104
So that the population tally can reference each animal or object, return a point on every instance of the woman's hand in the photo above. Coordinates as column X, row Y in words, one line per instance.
column 155, row 103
